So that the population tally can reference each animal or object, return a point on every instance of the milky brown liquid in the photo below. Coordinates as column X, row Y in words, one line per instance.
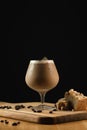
column 42, row 75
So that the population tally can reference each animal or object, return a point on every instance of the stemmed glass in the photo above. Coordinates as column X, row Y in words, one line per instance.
column 42, row 76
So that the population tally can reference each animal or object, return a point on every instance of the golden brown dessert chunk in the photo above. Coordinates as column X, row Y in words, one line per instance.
column 72, row 100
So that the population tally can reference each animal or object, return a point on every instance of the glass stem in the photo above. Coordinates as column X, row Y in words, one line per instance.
column 42, row 96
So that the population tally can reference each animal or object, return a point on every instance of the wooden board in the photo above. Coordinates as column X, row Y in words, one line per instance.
column 44, row 117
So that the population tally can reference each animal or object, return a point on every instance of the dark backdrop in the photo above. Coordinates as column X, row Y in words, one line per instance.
column 57, row 32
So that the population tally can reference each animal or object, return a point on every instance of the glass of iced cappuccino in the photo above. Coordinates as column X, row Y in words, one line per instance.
column 42, row 76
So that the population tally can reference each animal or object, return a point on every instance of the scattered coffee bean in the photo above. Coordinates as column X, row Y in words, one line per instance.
column 14, row 124
column 2, row 121
column 9, row 107
column 17, row 107
column 29, row 107
column 18, row 122
column 22, row 106
column 34, row 110
column 50, row 111
column 3, row 107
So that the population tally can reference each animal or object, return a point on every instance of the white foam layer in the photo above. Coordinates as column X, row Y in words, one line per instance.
column 41, row 61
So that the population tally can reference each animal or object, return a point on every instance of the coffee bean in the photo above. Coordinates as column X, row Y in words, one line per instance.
column 2, row 121
column 14, row 124
column 18, row 122
column 34, row 110
column 22, row 106
column 29, row 106
column 50, row 111
column 17, row 107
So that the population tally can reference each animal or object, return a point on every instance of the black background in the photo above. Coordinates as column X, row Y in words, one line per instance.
column 58, row 32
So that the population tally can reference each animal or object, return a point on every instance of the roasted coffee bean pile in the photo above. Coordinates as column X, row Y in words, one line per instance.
column 15, row 123
column 50, row 111
column 7, row 122
column 5, row 107
column 4, row 121
column 17, row 107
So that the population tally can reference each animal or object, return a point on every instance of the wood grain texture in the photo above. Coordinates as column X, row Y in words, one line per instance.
column 25, row 114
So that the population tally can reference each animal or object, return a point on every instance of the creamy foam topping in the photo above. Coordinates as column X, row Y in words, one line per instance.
column 43, row 60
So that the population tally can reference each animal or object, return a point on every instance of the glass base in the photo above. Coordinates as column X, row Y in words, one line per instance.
column 43, row 107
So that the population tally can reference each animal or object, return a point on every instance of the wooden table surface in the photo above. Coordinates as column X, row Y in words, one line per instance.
column 78, row 125
column 24, row 125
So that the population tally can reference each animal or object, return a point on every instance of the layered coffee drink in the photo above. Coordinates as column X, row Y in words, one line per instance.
column 42, row 75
